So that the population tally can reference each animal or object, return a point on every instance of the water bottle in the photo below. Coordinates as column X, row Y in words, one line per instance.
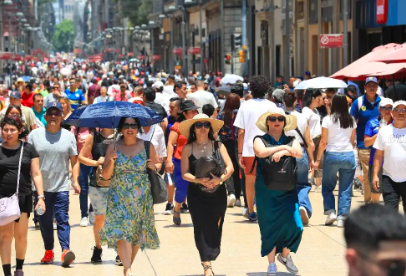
column 40, row 210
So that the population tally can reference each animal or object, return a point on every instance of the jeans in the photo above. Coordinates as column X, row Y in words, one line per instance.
column 58, row 204
column 303, row 186
column 392, row 191
column 344, row 164
column 84, row 189
column 181, row 185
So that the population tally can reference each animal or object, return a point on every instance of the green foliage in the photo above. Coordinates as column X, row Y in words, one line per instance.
column 137, row 10
column 64, row 36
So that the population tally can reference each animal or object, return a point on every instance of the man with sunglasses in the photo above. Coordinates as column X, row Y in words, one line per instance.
column 57, row 150
column 55, row 95
column 75, row 95
column 390, row 146
column 376, row 242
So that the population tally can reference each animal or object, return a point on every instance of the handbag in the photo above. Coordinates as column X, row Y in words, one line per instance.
column 159, row 190
column 9, row 206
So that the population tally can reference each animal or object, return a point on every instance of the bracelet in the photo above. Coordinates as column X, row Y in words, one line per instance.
column 41, row 196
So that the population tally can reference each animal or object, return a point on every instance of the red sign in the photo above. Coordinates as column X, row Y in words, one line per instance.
column 381, row 11
column 177, row 51
column 130, row 54
column 141, row 57
column 194, row 50
column 156, row 57
column 331, row 41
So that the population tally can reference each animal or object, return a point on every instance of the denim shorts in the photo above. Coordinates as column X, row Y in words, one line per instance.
column 98, row 198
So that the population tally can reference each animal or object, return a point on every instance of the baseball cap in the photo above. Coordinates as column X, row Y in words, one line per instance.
column 308, row 73
column 385, row 102
column 158, row 84
column 396, row 104
column 55, row 104
column 371, row 79
column 15, row 95
column 188, row 105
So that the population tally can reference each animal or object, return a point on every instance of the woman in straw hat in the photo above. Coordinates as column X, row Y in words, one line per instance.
column 278, row 210
column 206, row 165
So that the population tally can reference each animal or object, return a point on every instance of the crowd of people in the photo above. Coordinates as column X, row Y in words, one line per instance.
column 258, row 146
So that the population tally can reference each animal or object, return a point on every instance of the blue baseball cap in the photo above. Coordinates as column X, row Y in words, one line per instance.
column 56, row 105
column 16, row 95
column 371, row 79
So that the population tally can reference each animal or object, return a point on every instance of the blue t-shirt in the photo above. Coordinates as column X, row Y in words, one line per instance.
column 75, row 98
column 371, row 129
column 40, row 116
column 367, row 112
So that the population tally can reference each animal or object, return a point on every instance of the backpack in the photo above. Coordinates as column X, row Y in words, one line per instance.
column 278, row 176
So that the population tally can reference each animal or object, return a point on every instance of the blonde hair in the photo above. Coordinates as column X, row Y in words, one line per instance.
column 66, row 100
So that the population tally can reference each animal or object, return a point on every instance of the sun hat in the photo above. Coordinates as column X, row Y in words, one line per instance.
column 385, row 102
column 396, row 104
column 291, row 121
column 19, row 80
column 184, row 127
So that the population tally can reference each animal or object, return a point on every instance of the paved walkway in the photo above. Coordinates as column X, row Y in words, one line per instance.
column 320, row 253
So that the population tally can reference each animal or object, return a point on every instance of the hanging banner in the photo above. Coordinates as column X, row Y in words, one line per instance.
column 331, row 41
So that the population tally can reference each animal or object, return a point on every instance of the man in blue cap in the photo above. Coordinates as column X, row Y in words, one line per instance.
column 56, row 148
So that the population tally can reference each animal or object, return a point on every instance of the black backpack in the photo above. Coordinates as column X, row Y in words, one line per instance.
column 278, row 176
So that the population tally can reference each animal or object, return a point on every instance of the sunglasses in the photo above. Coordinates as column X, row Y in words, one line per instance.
column 54, row 113
column 274, row 118
column 56, row 87
column 400, row 110
column 132, row 126
column 199, row 125
column 385, row 108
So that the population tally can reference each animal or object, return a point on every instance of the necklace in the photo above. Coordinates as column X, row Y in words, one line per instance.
column 204, row 145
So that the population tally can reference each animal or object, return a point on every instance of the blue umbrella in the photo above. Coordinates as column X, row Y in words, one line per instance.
column 26, row 78
column 108, row 115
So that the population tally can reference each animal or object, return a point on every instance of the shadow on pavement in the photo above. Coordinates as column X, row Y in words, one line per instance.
column 182, row 225
column 265, row 274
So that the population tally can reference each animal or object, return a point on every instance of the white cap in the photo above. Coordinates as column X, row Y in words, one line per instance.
column 371, row 79
column 121, row 77
column 385, row 102
column 158, row 84
column 396, row 104
column 104, row 76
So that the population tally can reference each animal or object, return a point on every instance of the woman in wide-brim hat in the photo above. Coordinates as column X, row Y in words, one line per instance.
column 278, row 211
column 207, row 197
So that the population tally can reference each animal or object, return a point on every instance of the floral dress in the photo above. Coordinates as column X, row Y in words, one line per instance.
column 130, row 209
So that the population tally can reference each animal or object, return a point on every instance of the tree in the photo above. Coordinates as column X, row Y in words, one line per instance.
column 64, row 36
column 137, row 10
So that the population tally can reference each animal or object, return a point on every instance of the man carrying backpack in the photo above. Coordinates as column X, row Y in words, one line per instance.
column 364, row 109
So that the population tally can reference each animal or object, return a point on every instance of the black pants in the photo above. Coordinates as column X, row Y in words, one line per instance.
column 392, row 191
column 234, row 185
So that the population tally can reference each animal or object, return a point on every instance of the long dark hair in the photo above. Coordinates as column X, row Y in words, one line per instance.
column 192, row 134
column 339, row 111
column 232, row 103
column 309, row 95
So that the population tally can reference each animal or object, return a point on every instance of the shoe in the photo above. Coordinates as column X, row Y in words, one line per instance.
column 340, row 221
column 272, row 269
column 316, row 188
column 237, row 203
column 207, row 267
column 176, row 220
column 48, row 257
column 37, row 226
column 97, row 253
column 331, row 218
column 169, row 208
column 55, row 226
column 184, row 208
column 67, row 257
column 253, row 217
column 118, row 261
column 91, row 218
column 19, row 272
column 84, row 222
column 303, row 215
column 245, row 213
column 231, row 200
column 288, row 263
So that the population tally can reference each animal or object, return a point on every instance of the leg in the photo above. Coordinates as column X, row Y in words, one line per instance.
column 20, row 236
column 329, row 181
column 303, row 186
column 6, row 238
column 98, row 225
column 271, row 256
column 181, row 188
column 125, row 253
column 390, row 195
column 134, row 253
column 363, row 155
column 285, row 252
column 84, row 189
column 250, row 191
column 402, row 193
column 243, row 187
column 171, row 192
column 346, row 178
column 46, row 221
column 62, row 218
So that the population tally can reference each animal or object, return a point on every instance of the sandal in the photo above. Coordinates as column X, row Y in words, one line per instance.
column 207, row 267
column 176, row 220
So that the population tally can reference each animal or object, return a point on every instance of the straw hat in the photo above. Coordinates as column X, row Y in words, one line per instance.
column 291, row 121
column 184, row 127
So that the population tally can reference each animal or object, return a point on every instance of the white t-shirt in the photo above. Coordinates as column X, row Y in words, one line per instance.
column 339, row 139
column 392, row 141
column 163, row 100
column 168, row 89
column 158, row 140
column 313, row 120
column 247, row 117
column 301, row 125
column 201, row 97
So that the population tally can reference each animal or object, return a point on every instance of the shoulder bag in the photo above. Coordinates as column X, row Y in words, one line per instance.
column 9, row 206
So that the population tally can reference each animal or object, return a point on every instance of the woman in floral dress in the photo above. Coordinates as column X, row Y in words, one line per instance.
column 129, row 221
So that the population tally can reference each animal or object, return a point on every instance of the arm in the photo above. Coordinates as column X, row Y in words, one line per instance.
column 75, row 173
column 262, row 151
column 378, row 157
column 186, row 175
column 108, row 166
column 173, row 137
column 241, row 134
column 322, row 147
column 310, row 144
column 37, row 178
column 153, row 161
column 352, row 139
column 164, row 124
column 369, row 141
column 86, row 150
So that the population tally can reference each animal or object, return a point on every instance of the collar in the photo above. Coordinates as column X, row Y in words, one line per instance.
column 42, row 111
column 377, row 99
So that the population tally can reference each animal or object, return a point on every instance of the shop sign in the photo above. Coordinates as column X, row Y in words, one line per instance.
column 381, row 11
column 331, row 41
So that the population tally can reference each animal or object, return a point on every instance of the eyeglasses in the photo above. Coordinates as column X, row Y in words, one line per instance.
column 274, row 118
column 56, row 87
column 132, row 126
column 73, row 83
column 385, row 108
column 199, row 125
column 400, row 110
column 392, row 267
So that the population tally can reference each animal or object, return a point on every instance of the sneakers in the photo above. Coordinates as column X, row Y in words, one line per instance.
column 340, row 221
column 272, row 269
column 67, row 257
column 118, row 261
column 288, row 263
column 54, row 225
column 245, row 213
column 231, row 200
column 91, row 218
column 331, row 218
column 19, row 272
column 253, row 217
column 169, row 209
column 237, row 203
column 96, row 257
column 184, row 208
column 37, row 226
column 48, row 257
column 304, row 215
column 84, row 222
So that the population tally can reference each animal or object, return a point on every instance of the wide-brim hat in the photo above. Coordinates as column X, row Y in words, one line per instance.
column 290, row 120
column 184, row 126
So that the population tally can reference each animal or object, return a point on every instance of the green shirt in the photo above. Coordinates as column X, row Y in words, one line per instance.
column 44, row 93
column 40, row 117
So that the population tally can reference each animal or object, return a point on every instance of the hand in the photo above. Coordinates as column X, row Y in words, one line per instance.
column 276, row 157
column 286, row 88
column 100, row 161
column 315, row 164
column 113, row 156
column 169, row 166
column 151, row 165
column 77, row 189
column 41, row 203
column 202, row 181
column 375, row 183
column 241, row 161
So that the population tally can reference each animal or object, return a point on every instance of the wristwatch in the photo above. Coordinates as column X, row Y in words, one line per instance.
column 41, row 196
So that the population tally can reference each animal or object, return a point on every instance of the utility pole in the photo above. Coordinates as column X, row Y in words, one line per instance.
column 287, row 31
column 184, row 44
column 222, row 36
column 171, row 60
column 201, row 38
column 345, row 31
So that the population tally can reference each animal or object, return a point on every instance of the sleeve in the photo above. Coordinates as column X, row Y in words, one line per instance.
column 379, row 141
column 32, row 151
column 326, row 122
column 354, row 109
column 30, row 139
column 82, row 97
column 239, row 119
column 161, row 145
column 213, row 101
column 32, row 119
column 368, row 129
column 164, row 113
column 73, row 150
column 175, row 128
